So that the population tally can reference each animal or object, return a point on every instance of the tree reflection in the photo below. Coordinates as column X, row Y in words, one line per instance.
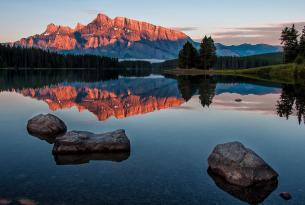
column 292, row 101
column 204, row 86
column 207, row 91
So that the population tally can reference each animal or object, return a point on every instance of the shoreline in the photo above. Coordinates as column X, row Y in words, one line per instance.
column 282, row 73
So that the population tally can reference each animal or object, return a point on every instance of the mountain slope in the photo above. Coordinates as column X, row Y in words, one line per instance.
column 119, row 37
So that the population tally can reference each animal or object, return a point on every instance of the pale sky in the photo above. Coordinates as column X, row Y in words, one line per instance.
column 228, row 21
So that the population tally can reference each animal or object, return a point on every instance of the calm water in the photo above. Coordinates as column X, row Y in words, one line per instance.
column 173, row 125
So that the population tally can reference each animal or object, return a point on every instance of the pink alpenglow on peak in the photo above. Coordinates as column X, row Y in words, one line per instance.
column 119, row 37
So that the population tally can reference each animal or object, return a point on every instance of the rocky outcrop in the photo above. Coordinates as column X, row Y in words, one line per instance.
column 46, row 126
column 119, row 37
column 239, row 165
column 79, row 142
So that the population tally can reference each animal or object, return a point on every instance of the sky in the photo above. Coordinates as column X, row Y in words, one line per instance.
column 228, row 21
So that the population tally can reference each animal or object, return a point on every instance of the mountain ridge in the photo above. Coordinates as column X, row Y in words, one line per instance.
column 126, row 38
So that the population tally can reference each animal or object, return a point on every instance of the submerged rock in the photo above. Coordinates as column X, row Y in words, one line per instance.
column 255, row 194
column 286, row 196
column 76, row 159
column 48, row 126
column 239, row 165
column 78, row 142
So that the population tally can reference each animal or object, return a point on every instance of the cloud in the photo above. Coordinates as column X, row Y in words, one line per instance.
column 257, row 34
column 185, row 28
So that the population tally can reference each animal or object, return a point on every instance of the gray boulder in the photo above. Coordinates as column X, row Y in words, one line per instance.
column 78, row 142
column 239, row 165
column 48, row 126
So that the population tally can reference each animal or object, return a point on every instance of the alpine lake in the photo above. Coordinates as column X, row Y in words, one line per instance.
column 173, row 124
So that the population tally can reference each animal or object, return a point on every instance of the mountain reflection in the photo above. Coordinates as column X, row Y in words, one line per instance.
column 120, row 98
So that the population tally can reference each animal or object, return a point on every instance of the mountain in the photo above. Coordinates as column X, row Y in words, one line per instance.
column 126, row 39
column 119, row 37
column 246, row 49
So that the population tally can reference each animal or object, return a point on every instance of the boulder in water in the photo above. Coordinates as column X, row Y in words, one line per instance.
column 239, row 165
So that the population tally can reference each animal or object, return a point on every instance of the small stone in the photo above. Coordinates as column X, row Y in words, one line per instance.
column 286, row 196
column 238, row 100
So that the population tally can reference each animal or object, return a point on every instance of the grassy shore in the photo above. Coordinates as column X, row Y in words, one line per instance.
column 288, row 73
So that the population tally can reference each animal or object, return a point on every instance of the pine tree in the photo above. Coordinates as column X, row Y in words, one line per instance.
column 289, row 39
column 188, row 56
column 207, row 53
column 302, row 43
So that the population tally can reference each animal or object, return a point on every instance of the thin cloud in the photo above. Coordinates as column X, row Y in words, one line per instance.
column 256, row 34
column 185, row 28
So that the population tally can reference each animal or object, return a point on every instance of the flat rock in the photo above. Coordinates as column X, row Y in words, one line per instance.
column 46, row 126
column 78, row 142
column 239, row 165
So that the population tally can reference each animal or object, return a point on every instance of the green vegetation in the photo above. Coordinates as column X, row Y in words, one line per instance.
column 207, row 53
column 229, row 62
column 189, row 57
column 294, row 49
column 285, row 73
column 18, row 57
column 289, row 40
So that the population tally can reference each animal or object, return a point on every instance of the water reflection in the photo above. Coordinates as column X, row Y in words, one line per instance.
column 86, row 158
column 114, row 94
column 292, row 101
column 204, row 85
column 252, row 195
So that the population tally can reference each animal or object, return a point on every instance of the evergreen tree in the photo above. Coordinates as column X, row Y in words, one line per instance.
column 207, row 53
column 302, row 43
column 289, row 40
column 188, row 56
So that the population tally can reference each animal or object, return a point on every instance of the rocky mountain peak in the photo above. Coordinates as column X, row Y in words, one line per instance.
column 102, row 19
column 120, row 37
column 51, row 28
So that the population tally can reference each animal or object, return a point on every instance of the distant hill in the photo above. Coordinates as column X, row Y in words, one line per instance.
column 246, row 49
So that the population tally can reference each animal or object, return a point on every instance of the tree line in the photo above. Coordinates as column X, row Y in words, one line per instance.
column 294, row 47
column 234, row 62
column 19, row 57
